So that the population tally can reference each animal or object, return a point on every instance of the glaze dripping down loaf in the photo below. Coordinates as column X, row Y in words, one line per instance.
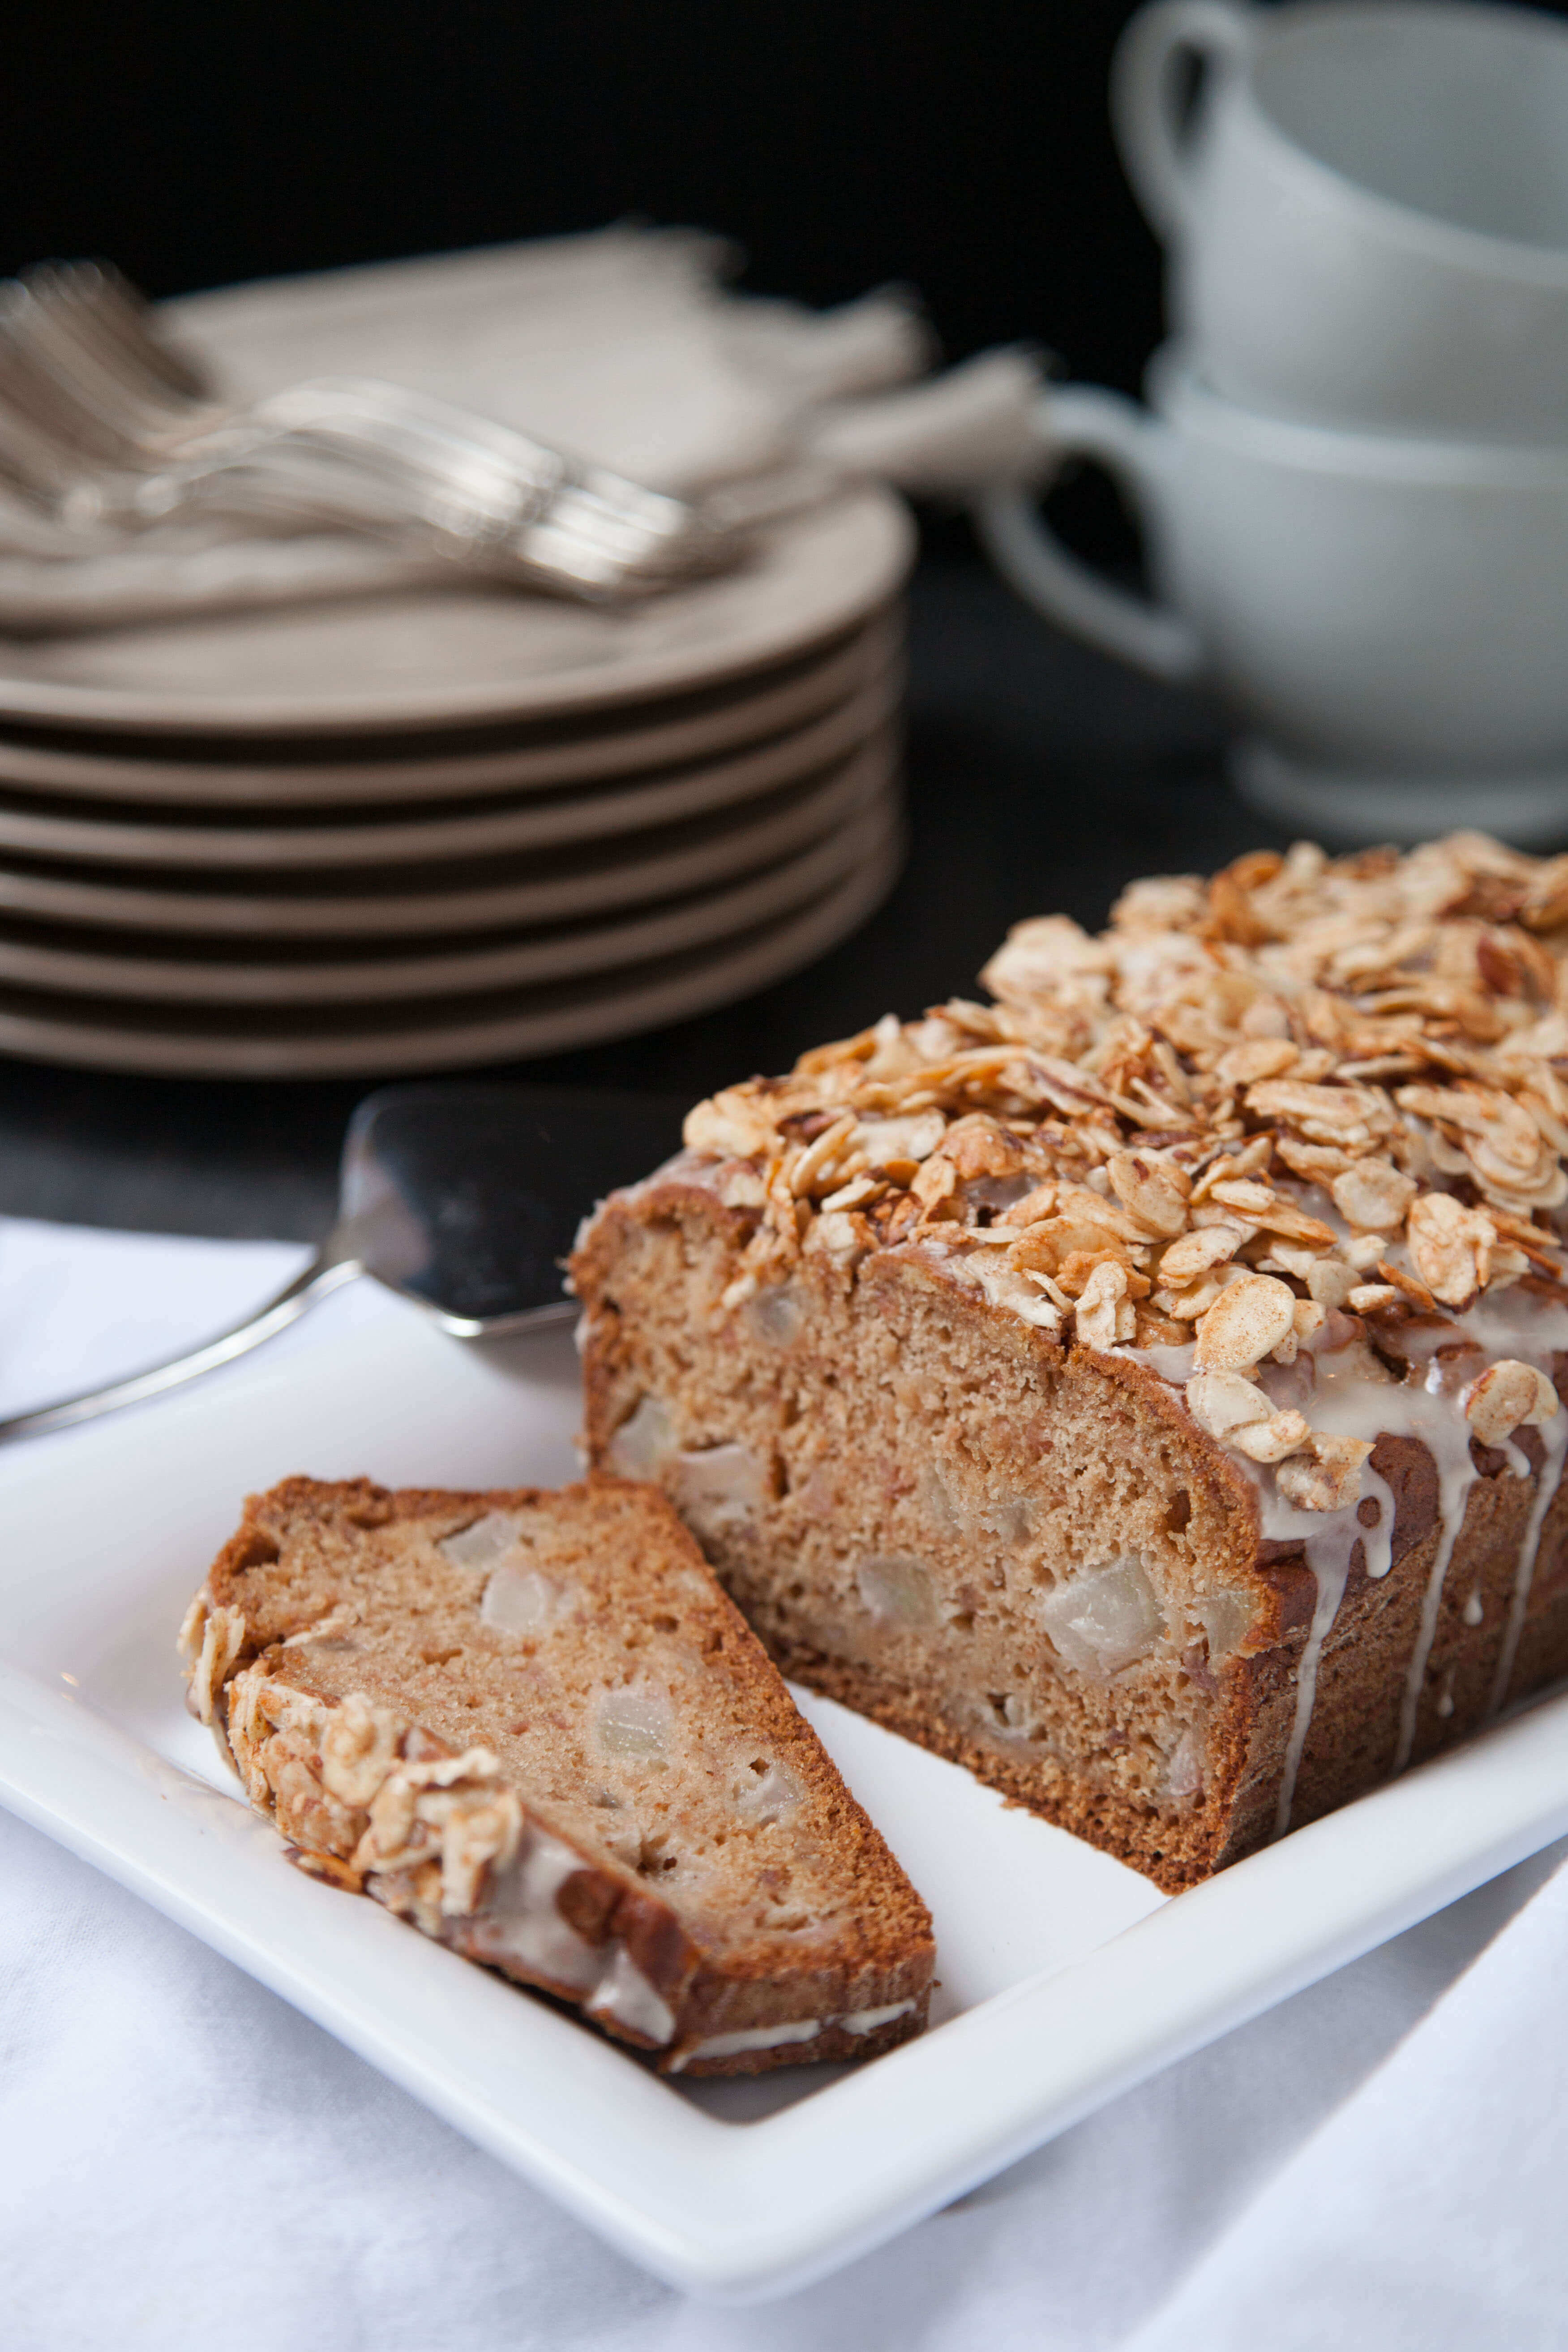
column 1143, row 1387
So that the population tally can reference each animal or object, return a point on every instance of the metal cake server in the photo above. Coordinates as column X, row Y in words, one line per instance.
column 462, row 1199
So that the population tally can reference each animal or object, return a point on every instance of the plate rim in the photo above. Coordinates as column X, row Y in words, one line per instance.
column 38, row 701
column 741, row 2212
column 788, row 944
column 584, row 813
column 581, row 759
column 624, row 876
column 727, row 908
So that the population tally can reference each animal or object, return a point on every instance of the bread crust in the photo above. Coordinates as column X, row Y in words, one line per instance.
column 1291, row 1141
column 1353, row 1732
column 624, row 1957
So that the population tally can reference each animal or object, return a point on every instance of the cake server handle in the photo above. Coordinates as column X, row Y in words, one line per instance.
column 338, row 1261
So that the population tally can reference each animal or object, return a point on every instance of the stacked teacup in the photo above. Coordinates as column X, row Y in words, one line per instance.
column 1352, row 471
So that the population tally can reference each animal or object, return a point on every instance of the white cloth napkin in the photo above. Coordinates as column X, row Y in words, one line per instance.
column 1376, row 2165
column 623, row 346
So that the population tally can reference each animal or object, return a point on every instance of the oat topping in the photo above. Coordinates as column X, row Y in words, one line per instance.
column 1302, row 1104
column 387, row 1803
column 372, row 1801
column 210, row 1641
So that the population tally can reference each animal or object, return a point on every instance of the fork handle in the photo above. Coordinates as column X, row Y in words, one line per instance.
column 328, row 1271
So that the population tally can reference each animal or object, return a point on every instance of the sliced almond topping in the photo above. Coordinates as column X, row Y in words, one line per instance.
column 1253, row 1199
column 1416, row 1292
column 935, row 1179
column 856, row 1193
column 889, row 1143
column 1195, row 1252
column 979, row 1148
column 1106, row 1312
column 1261, row 1057
column 1546, row 899
column 842, row 1235
column 1375, row 1024
column 1288, row 1257
column 1507, row 1395
column 1330, row 1282
column 1341, row 1115
column 1150, row 1192
column 1187, row 1305
column 819, row 1156
column 1315, row 1163
column 1055, row 1240
column 1510, row 1131
column 1034, row 1207
column 1374, row 1195
column 1325, row 1477
column 1084, row 1201
column 1245, row 1323
column 1261, row 1205
column 1221, row 1402
column 1273, row 1439
column 1154, row 1329
column 1245, row 1163
column 1206, row 1213
column 1451, row 1246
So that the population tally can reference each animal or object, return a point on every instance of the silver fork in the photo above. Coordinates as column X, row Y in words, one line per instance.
column 85, row 383
column 104, row 428
column 398, row 463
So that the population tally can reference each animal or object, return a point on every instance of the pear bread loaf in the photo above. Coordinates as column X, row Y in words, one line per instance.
column 532, row 1725
column 1143, row 1387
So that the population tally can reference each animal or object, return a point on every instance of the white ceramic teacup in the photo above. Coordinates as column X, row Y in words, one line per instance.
column 1367, row 209
column 1386, row 618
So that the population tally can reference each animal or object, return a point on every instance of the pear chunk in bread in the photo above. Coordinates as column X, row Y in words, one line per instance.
column 533, row 1725
column 1145, row 1389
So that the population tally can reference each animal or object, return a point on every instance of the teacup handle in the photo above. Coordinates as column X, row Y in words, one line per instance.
column 1081, row 422
column 1144, row 95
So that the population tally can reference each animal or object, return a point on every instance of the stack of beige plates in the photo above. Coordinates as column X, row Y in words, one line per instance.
column 448, row 826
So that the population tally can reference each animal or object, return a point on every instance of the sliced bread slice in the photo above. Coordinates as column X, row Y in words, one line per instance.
column 532, row 1724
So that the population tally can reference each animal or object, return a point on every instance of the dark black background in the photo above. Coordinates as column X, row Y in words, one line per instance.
column 960, row 145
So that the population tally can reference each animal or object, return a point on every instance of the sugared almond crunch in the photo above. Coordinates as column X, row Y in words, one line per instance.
column 1308, row 1092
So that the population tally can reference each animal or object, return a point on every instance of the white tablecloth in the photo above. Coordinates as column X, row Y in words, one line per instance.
column 184, row 2162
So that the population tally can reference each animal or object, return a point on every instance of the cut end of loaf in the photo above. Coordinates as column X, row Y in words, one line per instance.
column 533, row 1725
column 1027, row 1563
column 1143, row 1388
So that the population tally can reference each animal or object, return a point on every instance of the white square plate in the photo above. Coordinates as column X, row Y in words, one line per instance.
column 1065, row 1976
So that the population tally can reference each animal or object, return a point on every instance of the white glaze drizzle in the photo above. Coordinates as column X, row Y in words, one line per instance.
column 1329, row 1559
column 1328, row 1540
column 1513, row 1323
column 1453, row 1501
column 1349, row 1400
column 866, row 2021
column 777, row 2037
column 624, row 1993
column 1554, row 1437
column 520, row 1922
column 747, row 2037
column 1501, row 1323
